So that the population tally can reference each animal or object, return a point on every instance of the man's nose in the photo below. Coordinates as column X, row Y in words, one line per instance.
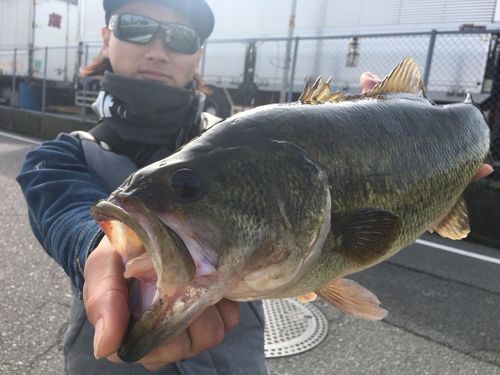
column 157, row 49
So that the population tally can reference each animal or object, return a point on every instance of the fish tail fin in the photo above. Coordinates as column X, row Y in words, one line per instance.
column 353, row 299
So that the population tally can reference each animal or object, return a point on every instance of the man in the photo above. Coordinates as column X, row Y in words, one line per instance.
column 149, row 106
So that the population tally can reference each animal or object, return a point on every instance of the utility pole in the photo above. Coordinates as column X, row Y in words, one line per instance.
column 288, row 53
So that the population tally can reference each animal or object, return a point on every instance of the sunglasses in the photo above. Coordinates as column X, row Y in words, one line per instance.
column 138, row 29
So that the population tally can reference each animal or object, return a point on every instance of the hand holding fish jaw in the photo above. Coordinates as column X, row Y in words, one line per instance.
column 106, row 302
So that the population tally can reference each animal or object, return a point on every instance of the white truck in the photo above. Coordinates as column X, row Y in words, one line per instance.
column 250, row 59
column 263, row 51
column 38, row 39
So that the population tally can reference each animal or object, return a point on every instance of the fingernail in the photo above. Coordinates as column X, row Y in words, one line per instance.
column 97, row 336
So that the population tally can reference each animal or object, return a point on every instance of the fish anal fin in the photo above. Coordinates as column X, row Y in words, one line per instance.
column 406, row 77
column 353, row 299
column 455, row 224
column 306, row 298
column 366, row 235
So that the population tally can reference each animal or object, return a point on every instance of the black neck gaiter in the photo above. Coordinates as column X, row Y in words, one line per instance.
column 145, row 111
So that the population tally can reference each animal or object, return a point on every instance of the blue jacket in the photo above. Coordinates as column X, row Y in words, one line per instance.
column 59, row 189
column 60, row 184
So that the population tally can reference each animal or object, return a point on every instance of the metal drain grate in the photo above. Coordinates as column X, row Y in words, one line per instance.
column 292, row 327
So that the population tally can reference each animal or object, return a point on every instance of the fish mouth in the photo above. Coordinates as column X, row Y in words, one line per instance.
column 166, row 288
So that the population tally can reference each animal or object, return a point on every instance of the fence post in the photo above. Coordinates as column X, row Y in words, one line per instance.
column 294, row 66
column 86, row 54
column 44, row 85
column 430, row 52
column 14, row 73
column 83, row 111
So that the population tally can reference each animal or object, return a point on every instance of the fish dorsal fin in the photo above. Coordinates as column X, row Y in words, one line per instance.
column 353, row 299
column 404, row 78
column 319, row 93
column 455, row 224
column 468, row 98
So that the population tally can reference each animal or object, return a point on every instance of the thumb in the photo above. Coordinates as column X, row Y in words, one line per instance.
column 105, row 298
column 368, row 80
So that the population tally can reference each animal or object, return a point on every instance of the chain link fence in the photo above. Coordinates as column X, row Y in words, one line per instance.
column 452, row 63
column 260, row 71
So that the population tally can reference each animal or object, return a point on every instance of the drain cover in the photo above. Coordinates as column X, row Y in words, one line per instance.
column 292, row 327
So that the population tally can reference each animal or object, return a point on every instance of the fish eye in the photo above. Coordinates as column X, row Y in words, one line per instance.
column 185, row 183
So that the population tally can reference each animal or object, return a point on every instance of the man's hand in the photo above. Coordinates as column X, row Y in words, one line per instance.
column 368, row 80
column 105, row 297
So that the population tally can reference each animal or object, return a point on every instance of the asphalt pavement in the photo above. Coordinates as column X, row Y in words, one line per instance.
column 443, row 305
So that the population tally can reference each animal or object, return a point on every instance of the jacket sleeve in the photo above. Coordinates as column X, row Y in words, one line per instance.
column 60, row 189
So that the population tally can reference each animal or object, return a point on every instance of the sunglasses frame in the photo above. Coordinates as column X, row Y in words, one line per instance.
column 168, row 29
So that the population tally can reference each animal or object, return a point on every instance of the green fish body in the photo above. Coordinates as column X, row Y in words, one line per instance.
column 285, row 200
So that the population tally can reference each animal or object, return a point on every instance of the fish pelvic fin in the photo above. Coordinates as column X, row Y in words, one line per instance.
column 454, row 224
column 353, row 299
column 406, row 77
column 306, row 298
column 366, row 235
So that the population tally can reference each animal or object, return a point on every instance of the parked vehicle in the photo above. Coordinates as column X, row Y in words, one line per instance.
column 28, row 29
column 339, row 40
column 264, row 51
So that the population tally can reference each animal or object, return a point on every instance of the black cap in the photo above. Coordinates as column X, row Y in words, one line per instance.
column 197, row 12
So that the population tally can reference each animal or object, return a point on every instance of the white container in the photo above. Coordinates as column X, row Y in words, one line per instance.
column 30, row 26
column 458, row 64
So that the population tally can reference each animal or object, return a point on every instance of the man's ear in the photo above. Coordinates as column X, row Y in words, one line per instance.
column 105, row 35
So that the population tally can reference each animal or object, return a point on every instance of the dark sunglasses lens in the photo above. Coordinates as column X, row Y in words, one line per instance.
column 182, row 39
column 135, row 28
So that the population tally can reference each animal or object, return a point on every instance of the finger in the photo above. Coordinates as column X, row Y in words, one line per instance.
column 229, row 312
column 368, row 80
column 114, row 358
column 206, row 331
column 483, row 171
column 179, row 348
column 105, row 299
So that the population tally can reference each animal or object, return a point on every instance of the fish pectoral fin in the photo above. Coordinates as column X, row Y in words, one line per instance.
column 353, row 299
column 406, row 77
column 306, row 298
column 455, row 224
column 367, row 234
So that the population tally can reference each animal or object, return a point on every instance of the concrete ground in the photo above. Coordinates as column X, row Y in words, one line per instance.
column 443, row 307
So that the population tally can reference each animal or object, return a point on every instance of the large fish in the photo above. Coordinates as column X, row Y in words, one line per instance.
column 287, row 199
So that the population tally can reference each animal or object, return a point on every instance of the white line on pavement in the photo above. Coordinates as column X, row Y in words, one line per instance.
column 459, row 251
column 19, row 138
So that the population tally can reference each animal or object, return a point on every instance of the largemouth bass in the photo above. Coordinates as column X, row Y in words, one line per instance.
column 285, row 200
